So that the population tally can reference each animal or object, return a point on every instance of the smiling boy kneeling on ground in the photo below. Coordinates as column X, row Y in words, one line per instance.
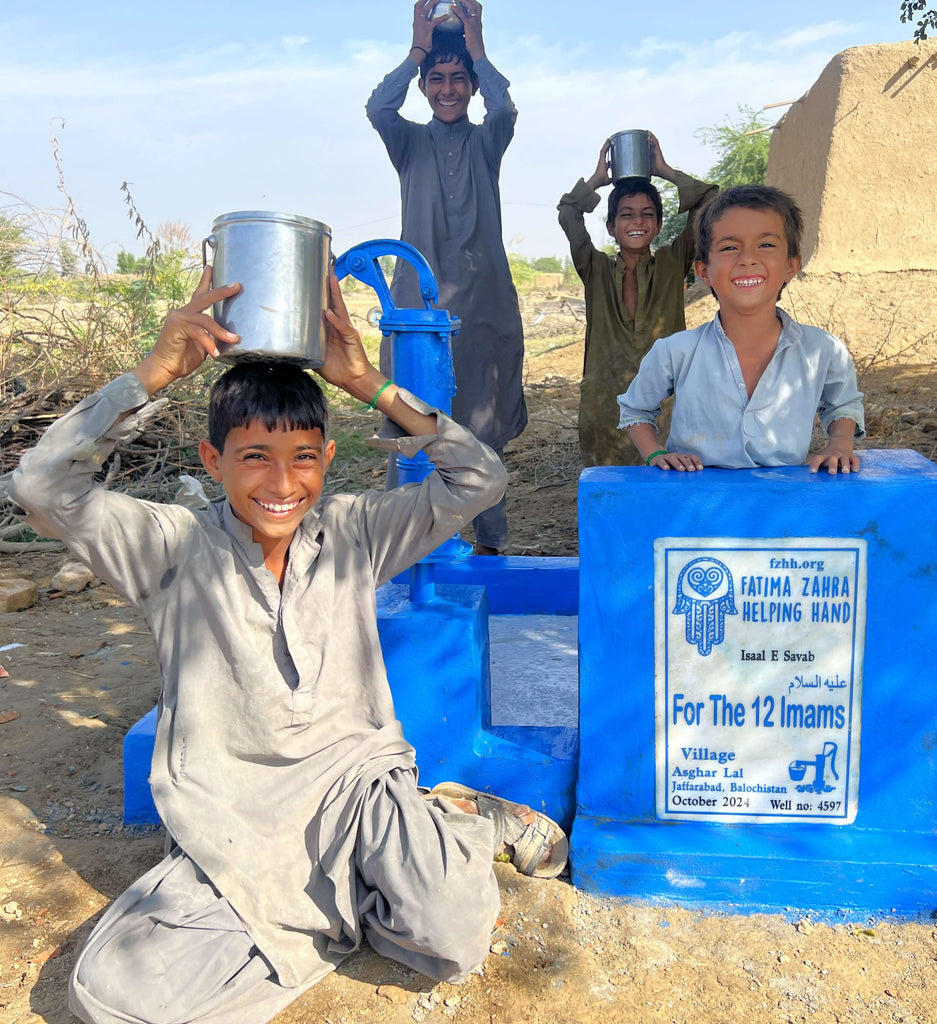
column 283, row 778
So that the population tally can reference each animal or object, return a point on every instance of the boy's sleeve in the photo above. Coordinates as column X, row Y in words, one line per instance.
column 694, row 195
column 500, row 112
column 841, row 398
column 572, row 209
column 382, row 110
column 402, row 525
column 653, row 382
column 118, row 536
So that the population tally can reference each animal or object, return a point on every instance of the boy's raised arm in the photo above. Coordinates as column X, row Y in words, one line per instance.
column 470, row 14
column 602, row 175
column 187, row 337
column 423, row 25
column 347, row 367
column 573, row 207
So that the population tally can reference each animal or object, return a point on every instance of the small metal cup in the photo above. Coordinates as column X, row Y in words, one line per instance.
column 452, row 23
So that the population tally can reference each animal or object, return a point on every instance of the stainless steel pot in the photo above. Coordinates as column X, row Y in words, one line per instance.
column 631, row 154
column 282, row 263
column 452, row 23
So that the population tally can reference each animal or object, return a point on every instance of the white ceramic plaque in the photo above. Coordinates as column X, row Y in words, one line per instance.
column 758, row 678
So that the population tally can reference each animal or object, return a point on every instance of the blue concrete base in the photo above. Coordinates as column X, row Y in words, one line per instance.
column 437, row 661
column 833, row 873
column 882, row 862
column 516, row 584
column 139, row 808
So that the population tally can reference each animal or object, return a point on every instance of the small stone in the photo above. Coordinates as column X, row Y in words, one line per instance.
column 805, row 927
column 19, row 789
column 47, row 954
column 87, row 648
column 8, row 716
column 15, row 595
column 500, row 947
column 72, row 578
column 452, row 1001
column 392, row 993
column 910, row 417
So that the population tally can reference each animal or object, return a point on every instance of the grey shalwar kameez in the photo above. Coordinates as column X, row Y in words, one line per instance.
column 279, row 767
column 451, row 213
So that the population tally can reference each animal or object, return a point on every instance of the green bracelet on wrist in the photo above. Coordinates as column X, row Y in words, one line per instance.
column 372, row 405
column 653, row 456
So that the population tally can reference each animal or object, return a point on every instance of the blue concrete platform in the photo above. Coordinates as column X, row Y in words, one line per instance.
column 438, row 665
column 758, row 726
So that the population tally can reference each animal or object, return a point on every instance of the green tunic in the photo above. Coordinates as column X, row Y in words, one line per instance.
column 615, row 342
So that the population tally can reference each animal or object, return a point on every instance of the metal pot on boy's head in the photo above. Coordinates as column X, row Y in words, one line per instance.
column 452, row 23
column 630, row 154
column 282, row 263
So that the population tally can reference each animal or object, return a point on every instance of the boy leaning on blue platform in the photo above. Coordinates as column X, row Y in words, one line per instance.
column 280, row 771
column 748, row 384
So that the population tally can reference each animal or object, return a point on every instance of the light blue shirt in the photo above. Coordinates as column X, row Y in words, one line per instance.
column 811, row 372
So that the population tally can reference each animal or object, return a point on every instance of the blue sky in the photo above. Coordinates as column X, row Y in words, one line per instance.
column 207, row 108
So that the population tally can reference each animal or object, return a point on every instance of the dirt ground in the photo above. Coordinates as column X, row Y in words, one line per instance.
column 79, row 669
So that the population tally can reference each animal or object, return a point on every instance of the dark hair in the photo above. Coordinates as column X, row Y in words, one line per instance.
column 633, row 186
column 750, row 197
column 448, row 47
column 282, row 396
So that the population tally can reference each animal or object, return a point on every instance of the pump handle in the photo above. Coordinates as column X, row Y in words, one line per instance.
column 361, row 261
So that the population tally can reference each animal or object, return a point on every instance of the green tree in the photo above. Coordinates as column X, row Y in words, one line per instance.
column 674, row 221
column 742, row 146
column 127, row 263
column 13, row 241
column 548, row 265
column 521, row 270
column 910, row 9
column 68, row 261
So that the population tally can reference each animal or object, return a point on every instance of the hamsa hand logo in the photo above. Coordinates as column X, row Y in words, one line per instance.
column 705, row 595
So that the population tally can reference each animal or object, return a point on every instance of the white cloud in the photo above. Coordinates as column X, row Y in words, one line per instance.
column 813, row 34
column 282, row 126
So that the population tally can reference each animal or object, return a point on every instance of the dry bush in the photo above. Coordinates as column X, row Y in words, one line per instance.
column 67, row 326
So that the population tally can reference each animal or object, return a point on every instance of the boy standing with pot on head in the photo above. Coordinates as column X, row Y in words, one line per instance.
column 451, row 213
column 633, row 297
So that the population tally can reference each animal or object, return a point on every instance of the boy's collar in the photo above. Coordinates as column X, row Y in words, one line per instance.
column 791, row 330
column 244, row 534
column 645, row 257
column 446, row 126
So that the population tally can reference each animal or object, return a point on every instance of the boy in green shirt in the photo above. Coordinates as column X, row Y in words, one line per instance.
column 633, row 297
